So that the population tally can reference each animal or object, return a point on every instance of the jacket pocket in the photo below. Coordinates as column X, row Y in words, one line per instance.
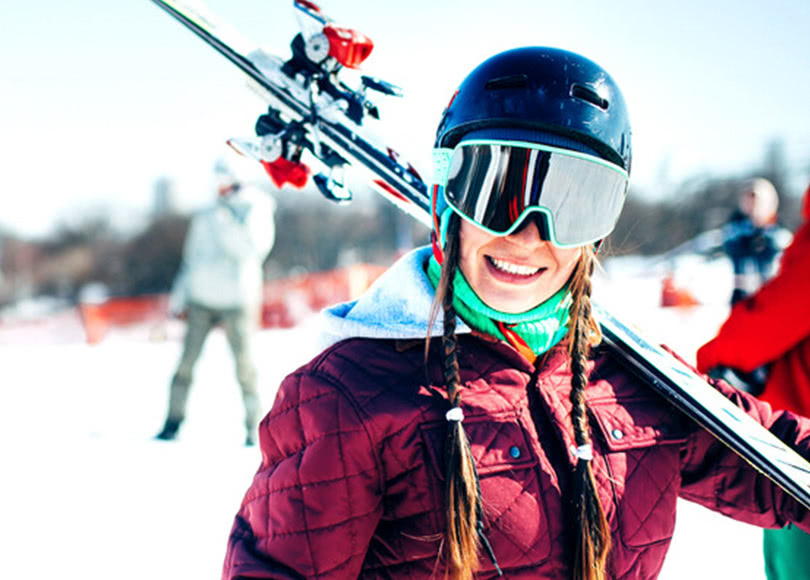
column 642, row 438
column 512, row 488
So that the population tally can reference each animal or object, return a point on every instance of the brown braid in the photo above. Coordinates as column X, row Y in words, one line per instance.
column 462, row 495
column 592, row 535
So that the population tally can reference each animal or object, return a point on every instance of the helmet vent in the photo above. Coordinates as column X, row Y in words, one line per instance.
column 588, row 94
column 508, row 82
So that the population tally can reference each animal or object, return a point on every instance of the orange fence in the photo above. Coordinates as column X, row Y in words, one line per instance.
column 286, row 301
column 97, row 318
column 289, row 300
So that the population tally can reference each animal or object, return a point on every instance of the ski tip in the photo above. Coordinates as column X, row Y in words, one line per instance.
column 232, row 143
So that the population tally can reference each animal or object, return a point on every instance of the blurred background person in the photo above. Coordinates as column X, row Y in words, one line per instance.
column 772, row 327
column 751, row 237
column 220, row 283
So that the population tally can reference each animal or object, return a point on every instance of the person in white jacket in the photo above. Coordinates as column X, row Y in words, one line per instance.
column 220, row 283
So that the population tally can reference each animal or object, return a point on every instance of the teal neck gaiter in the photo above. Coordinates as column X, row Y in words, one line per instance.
column 540, row 328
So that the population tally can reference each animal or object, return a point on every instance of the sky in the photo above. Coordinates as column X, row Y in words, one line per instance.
column 100, row 99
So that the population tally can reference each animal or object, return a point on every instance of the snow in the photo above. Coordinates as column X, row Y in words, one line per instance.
column 87, row 493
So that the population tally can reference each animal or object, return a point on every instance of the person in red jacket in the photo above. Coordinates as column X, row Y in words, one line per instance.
column 518, row 445
column 772, row 327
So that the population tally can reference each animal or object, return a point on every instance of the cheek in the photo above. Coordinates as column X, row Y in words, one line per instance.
column 567, row 260
column 472, row 240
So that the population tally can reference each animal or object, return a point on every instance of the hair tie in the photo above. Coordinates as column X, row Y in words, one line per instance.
column 455, row 414
column 584, row 452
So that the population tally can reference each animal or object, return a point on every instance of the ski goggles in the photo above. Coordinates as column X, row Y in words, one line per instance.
column 498, row 184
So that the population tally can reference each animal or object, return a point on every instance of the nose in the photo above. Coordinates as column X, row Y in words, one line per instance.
column 534, row 228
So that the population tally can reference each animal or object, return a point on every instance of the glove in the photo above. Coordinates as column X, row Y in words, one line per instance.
column 752, row 383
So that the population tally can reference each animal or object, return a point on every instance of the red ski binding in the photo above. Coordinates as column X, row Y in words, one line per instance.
column 283, row 171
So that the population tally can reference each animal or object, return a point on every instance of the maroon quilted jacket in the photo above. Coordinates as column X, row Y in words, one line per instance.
column 351, row 482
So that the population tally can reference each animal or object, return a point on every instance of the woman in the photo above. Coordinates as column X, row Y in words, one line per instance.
column 516, row 445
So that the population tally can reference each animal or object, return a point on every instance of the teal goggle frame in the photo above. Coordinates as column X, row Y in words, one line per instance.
column 496, row 185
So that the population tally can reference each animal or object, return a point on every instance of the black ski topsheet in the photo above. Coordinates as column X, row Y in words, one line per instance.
column 673, row 380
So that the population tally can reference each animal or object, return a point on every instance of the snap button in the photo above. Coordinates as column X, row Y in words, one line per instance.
column 514, row 452
column 617, row 434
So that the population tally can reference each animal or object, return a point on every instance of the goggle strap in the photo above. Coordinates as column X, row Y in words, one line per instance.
column 435, row 233
column 441, row 164
column 437, row 251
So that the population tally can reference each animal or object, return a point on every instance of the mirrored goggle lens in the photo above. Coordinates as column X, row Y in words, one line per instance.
column 496, row 185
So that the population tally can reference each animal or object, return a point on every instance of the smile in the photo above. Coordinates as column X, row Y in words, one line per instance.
column 514, row 269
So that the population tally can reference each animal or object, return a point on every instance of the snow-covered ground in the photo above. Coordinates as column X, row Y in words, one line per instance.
column 87, row 493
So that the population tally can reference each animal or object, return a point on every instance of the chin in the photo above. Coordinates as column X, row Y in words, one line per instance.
column 511, row 305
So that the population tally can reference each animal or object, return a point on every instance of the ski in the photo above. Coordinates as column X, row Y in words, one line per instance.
column 310, row 109
column 312, row 112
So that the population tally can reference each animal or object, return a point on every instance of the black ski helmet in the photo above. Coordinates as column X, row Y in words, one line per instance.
column 547, row 90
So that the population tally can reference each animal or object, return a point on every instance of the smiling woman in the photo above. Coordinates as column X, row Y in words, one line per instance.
column 518, row 444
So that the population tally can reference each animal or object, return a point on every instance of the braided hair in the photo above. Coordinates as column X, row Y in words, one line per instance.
column 464, row 534
column 462, row 492
column 591, row 534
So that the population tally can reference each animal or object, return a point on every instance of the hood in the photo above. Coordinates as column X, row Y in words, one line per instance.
column 395, row 306
column 806, row 205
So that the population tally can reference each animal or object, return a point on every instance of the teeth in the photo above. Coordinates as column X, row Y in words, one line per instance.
column 514, row 268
